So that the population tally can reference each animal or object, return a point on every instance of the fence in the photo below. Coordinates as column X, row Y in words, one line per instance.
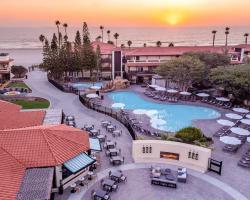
column 110, row 112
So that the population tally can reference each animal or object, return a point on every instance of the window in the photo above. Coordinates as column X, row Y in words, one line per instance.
column 169, row 155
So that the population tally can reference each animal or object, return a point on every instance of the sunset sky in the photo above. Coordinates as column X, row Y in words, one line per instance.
column 147, row 13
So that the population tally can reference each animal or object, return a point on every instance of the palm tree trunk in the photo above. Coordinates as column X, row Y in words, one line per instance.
column 246, row 40
column 59, row 40
column 226, row 40
column 213, row 39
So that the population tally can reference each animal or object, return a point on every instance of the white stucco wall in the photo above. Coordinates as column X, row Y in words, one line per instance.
column 182, row 149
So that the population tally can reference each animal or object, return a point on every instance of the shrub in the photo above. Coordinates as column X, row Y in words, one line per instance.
column 189, row 134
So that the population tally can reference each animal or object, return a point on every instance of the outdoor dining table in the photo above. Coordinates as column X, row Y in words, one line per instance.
column 112, row 152
column 110, row 145
column 101, row 138
column 100, row 194
column 116, row 176
column 105, row 123
column 110, row 128
column 116, row 160
column 89, row 127
column 108, row 184
column 94, row 132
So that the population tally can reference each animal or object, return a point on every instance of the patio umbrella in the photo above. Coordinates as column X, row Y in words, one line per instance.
column 222, row 99
column 203, row 95
column 185, row 93
column 245, row 121
column 140, row 112
column 248, row 116
column 160, row 89
column 95, row 87
column 233, row 116
column 225, row 122
column 240, row 131
column 230, row 140
column 172, row 91
column 153, row 86
column 241, row 110
column 92, row 96
column 248, row 139
column 118, row 105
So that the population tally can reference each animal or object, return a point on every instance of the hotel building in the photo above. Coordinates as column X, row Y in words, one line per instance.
column 5, row 67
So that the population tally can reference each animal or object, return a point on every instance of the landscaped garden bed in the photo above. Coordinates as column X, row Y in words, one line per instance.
column 34, row 103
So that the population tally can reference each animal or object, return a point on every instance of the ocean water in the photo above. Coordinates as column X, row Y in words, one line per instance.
column 19, row 38
column 24, row 46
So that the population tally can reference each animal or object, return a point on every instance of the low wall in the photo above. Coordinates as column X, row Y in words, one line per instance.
column 175, row 153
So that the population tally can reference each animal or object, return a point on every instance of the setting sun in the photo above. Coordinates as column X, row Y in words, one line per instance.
column 173, row 19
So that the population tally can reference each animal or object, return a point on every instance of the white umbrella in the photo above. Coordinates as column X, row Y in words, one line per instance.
column 233, row 116
column 245, row 121
column 140, row 112
column 225, row 122
column 185, row 93
column 248, row 116
column 92, row 96
column 248, row 139
column 153, row 86
column 230, row 140
column 160, row 89
column 241, row 110
column 157, row 121
column 172, row 91
column 203, row 95
column 222, row 99
column 240, row 131
column 118, row 105
column 95, row 87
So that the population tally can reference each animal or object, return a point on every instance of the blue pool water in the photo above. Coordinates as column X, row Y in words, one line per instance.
column 82, row 86
column 172, row 117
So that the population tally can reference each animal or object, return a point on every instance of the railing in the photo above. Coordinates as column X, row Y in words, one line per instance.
column 146, row 61
column 110, row 112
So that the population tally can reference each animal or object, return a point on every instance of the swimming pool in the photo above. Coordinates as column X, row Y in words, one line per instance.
column 166, row 117
column 84, row 85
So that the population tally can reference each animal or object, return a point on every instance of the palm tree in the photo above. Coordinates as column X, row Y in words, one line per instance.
column 116, row 35
column 101, row 27
column 65, row 25
column 129, row 43
column 214, row 33
column 145, row 45
column 158, row 43
column 57, row 22
column 227, row 33
column 98, row 38
column 108, row 33
column 246, row 37
column 171, row 44
column 122, row 45
column 42, row 38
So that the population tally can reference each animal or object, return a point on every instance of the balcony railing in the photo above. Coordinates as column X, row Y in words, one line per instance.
column 147, row 61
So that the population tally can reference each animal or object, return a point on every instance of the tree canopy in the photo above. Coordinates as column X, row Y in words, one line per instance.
column 60, row 58
column 18, row 71
column 185, row 71
column 235, row 80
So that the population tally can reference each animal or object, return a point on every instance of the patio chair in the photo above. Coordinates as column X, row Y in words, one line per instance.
column 123, row 178
column 230, row 148
column 115, row 188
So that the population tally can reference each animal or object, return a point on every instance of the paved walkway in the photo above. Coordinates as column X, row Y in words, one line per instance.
column 233, row 175
column 234, row 194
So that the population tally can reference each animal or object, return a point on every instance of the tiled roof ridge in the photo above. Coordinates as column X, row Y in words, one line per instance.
column 13, row 157
column 78, row 143
column 44, row 133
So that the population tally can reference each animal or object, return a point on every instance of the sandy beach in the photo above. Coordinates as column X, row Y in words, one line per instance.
column 25, row 57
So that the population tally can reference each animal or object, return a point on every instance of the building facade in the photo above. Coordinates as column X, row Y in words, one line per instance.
column 5, row 67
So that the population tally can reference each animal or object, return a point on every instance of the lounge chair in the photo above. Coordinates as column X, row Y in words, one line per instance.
column 230, row 148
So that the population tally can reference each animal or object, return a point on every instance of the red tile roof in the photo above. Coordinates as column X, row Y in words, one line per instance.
column 171, row 51
column 41, row 146
column 15, row 119
column 7, row 106
column 106, row 49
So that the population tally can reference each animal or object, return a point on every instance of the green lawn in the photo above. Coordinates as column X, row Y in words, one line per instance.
column 18, row 85
column 38, row 104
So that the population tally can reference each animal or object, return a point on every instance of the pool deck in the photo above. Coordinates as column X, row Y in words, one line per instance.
column 198, row 188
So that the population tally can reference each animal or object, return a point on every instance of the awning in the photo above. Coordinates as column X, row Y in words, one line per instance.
column 79, row 162
column 95, row 144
